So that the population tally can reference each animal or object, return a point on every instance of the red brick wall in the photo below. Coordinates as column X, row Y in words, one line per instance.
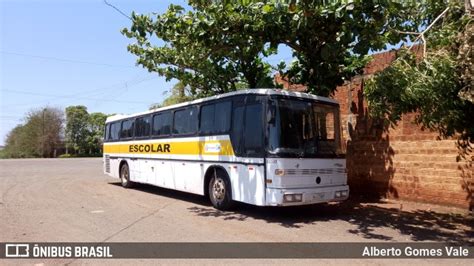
column 404, row 161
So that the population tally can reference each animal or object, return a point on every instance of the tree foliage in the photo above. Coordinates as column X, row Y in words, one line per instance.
column 84, row 131
column 433, row 85
column 96, row 127
column 179, row 93
column 217, row 44
column 44, row 133
column 465, row 64
column 331, row 39
column 77, row 119
column 208, row 48
column 39, row 136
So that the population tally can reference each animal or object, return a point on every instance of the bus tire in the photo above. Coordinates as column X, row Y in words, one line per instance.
column 125, row 176
column 220, row 192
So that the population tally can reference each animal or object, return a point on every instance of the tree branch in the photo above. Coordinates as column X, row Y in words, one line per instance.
column 118, row 10
column 421, row 35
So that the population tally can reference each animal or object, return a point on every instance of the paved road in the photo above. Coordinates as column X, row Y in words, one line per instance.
column 72, row 200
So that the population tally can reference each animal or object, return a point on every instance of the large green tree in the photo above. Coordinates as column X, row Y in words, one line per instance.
column 330, row 39
column 19, row 145
column 208, row 48
column 77, row 131
column 39, row 136
column 84, row 131
column 96, row 132
column 216, row 45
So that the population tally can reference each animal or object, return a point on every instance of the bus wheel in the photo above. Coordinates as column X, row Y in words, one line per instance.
column 125, row 176
column 220, row 192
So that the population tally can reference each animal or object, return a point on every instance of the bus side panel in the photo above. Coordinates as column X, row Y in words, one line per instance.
column 248, row 184
column 114, row 168
column 152, row 176
column 147, row 171
column 164, row 174
column 179, row 175
column 194, row 177
column 134, row 167
column 187, row 176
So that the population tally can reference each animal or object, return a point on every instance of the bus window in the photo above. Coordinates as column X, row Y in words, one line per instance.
column 215, row 118
column 222, row 117
column 253, row 131
column 162, row 124
column 185, row 121
column 207, row 118
column 114, row 131
column 237, row 128
column 142, row 127
column 325, row 122
column 127, row 129
column 107, row 132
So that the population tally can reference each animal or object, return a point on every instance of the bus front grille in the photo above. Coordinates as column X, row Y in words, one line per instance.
column 107, row 164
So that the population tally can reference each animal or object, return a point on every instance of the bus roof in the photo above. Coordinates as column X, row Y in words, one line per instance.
column 224, row 95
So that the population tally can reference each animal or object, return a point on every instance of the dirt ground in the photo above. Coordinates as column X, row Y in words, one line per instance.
column 71, row 200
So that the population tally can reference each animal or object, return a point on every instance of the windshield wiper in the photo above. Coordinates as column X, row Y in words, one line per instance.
column 288, row 152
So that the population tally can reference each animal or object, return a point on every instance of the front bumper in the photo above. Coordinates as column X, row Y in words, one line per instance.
column 275, row 196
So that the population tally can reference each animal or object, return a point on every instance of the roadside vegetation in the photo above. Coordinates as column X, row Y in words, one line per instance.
column 84, row 131
column 49, row 132
column 38, row 136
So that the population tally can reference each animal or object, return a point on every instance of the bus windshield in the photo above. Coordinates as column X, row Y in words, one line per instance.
column 303, row 129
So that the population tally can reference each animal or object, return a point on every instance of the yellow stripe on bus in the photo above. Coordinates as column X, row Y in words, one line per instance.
column 219, row 147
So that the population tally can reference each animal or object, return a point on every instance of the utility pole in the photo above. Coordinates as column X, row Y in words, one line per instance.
column 42, row 137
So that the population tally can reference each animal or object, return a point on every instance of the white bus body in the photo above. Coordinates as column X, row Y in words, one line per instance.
column 264, row 147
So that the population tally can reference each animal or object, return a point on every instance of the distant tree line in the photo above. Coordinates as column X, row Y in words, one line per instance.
column 49, row 132
column 39, row 136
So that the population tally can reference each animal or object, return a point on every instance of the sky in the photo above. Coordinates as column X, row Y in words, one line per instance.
column 61, row 53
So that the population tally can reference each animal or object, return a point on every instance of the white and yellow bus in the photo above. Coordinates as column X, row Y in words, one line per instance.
column 264, row 147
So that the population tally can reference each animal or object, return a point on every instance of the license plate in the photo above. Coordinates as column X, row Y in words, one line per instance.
column 318, row 196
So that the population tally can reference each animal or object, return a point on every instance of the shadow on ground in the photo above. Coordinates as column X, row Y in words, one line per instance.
column 366, row 215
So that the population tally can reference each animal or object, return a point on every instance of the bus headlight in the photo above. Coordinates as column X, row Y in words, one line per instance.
column 341, row 194
column 292, row 197
column 279, row 172
column 298, row 197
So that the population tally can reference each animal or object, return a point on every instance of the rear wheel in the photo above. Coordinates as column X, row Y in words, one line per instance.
column 220, row 192
column 125, row 176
